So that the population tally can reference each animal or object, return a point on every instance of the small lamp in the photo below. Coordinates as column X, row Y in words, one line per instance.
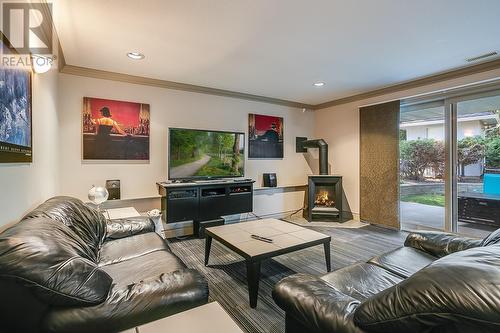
column 98, row 195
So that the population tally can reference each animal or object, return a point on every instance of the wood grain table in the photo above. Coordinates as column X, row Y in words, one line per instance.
column 287, row 237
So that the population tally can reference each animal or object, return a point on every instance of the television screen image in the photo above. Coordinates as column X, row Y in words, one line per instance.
column 115, row 130
column 205, row 154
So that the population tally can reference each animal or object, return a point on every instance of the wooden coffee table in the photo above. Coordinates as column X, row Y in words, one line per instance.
column 287, row 237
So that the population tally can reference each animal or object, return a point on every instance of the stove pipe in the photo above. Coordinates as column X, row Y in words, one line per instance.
column 323, row 151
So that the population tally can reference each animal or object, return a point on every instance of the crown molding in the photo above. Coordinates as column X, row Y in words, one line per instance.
column 435, row 78
column 113, row 76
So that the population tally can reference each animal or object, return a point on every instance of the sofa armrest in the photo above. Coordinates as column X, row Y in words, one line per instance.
column 316, row 304
column 121, row 228
column 440, row 244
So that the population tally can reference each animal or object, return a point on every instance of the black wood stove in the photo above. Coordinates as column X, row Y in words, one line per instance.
column 325, row 191
column 325, row 197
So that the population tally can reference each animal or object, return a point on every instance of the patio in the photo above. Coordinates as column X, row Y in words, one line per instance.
column 415, row 216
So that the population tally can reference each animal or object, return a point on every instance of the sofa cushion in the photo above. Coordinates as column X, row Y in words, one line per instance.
column 361, row 281
column 151, row 265
column 127, row 248
column 404, row 261
column 315, row 305
column 144, row 289
column 492, row 238
column 440, row 244
column 47, row 257
column 86, row 222
column 120, row 228
column 461, row 287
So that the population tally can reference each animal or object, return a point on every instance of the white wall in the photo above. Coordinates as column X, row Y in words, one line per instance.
column 339, row 126
column 171, row 108
column 25, row 185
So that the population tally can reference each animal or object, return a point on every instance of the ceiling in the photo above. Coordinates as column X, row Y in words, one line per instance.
column 278, row 48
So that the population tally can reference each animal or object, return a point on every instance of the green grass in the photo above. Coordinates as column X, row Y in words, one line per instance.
column 426, row 199
column 215, row 167
column 185, row 160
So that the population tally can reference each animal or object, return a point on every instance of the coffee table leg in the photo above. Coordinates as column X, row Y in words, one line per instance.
column 327, row 256
column 208, row 245
column 253, row 277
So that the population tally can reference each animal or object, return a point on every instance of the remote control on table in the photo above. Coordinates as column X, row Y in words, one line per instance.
column 267, row 240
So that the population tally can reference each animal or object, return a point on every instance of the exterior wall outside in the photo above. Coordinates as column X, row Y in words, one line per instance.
column 436, row 131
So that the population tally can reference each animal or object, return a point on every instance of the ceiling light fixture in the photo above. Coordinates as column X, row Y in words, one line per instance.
column 318, row 84
column 41, row 64
column 135, row 55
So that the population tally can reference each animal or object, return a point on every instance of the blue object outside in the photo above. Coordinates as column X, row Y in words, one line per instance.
column 491, row 183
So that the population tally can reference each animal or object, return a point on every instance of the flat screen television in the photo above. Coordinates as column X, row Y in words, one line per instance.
column 205, row 154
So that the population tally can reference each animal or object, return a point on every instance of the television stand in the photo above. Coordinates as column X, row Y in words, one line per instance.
column 205, row 201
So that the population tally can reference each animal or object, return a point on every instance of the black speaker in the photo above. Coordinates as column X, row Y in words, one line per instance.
column 113, row 187
column 270, row 180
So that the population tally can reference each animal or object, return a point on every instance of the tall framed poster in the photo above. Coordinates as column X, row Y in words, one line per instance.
column 15, row 110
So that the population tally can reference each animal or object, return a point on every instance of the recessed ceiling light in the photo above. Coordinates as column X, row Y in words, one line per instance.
column 135, row 55
column 318, row 84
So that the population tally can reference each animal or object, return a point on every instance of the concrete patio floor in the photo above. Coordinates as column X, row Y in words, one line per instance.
column 415, row 216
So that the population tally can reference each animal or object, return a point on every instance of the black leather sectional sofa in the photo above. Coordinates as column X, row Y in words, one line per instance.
column 437, row 282
column 64, row 268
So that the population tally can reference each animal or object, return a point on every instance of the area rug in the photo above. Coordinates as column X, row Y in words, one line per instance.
column 226, row 273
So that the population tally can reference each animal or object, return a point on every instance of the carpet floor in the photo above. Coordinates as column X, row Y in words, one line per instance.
column 226, row 273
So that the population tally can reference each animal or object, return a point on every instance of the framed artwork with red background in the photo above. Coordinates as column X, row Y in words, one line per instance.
column 115, row 130
column 265, row 136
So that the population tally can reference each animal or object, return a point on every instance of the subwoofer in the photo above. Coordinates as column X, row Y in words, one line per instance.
column 113, row 187
column 270, row 180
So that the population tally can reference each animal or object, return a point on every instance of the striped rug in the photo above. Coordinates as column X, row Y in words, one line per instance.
column 226, row 273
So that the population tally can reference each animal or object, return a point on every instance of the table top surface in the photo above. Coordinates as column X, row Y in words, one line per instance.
column 121, row 213
column 208, row 318
column 285, row 236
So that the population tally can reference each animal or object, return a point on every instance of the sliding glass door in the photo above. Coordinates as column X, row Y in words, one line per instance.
column 422, row 166
column 477, row 145
column 450, row 163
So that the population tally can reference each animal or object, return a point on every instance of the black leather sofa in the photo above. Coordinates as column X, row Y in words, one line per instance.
column 64, row 268
column 437, row 282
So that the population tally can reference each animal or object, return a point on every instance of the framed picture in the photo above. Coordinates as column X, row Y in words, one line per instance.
column 265, row 136
column 15, row 111
column 115, row 130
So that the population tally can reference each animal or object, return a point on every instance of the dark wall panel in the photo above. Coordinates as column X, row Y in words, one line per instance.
column 379, row 164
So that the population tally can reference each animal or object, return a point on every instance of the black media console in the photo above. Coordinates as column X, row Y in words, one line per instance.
column 205, row 200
